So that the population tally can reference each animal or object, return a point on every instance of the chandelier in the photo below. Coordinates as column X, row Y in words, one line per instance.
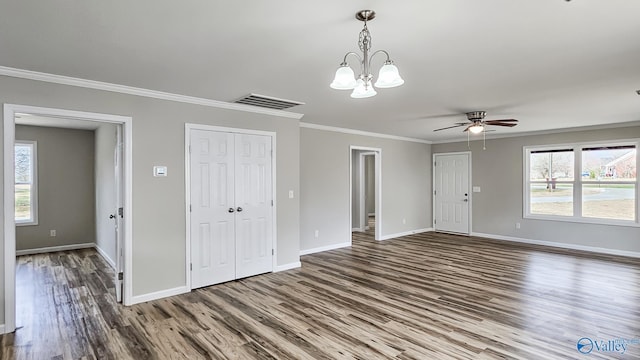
column 362, row 87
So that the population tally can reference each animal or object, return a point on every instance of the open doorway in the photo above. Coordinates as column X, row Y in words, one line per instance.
column 366, row 190
column 109, row 238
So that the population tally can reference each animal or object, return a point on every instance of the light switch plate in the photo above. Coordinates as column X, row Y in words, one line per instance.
column 290, row 194
column 476, row 189
column 159, row 171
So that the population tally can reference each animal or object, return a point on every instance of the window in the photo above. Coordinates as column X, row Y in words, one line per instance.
column 594, row 183
column 26, row 212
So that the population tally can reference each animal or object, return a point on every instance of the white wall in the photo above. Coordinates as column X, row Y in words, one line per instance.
column 105, row 144
column 499, row 171
column 324, row 181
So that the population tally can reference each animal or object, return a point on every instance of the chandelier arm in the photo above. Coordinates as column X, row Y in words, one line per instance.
column 380, row 51
column 352, row 53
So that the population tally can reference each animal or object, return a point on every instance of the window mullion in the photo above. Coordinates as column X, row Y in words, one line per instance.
column 577, row 179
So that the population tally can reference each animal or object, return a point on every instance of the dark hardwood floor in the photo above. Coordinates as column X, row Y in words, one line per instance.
column 425, row 296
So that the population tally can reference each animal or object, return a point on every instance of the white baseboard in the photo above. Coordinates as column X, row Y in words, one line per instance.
column 54, row 249
column 592, row 249
column 356, row 230
column 411, row 232
column 2, row 327
column 293, row 265
column 106, row 257
column 325, row 248
column 159, row 295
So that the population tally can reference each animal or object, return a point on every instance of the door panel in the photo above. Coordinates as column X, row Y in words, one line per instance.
column 452, row 193
column 253, row 195
column 212, row 225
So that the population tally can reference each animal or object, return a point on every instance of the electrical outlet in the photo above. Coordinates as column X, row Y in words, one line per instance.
column 52, row 233
column 517, row 225
column 404, row 221
column 317, row 233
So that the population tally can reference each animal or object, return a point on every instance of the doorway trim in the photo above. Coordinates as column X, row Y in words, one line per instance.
column 187, row 178
column 377, row 153
column 9, row 114
column 469, row 185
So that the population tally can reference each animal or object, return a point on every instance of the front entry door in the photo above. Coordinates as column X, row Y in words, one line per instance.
column 451, row 193
column 231, row 206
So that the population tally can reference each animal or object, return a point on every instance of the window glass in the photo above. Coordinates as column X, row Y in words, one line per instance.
column 551, row 199
column 25, row 183
column 609, row 164
column 551, row 165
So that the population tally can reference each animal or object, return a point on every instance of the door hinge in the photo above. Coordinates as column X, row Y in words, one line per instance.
column 190, row 208
column 434, row 221
column 273, row 251
column 434, row 192
column 189, row 149
column 121, row 212
column 271, row 202
column 191, row 266
column 434, row 163
column 120, row 276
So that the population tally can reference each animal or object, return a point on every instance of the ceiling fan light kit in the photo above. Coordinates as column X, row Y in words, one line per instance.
column 362, row 87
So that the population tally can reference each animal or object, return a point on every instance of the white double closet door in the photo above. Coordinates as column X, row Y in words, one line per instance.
column 231, row 206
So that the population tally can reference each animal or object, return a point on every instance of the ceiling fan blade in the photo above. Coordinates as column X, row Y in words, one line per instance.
column 451, row 127
column 503, row 120
column 501, row 124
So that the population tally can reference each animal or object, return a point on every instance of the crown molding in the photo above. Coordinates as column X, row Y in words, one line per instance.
column 360, row 132
column 130, row 90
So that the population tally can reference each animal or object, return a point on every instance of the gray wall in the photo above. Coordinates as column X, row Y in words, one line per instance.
column 324, row 179
column 499, row 170
column 105, row 144
column 159, row 203
column 66, row 186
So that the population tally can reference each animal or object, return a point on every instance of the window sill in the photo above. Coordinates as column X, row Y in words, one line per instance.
column 582, row 220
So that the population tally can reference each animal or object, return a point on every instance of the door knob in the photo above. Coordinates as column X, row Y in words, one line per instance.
column 112, row 216
column 465, row 200
column 239, row 209
column 231, row 210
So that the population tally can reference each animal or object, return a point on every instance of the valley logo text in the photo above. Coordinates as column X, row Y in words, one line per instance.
column 620, row 345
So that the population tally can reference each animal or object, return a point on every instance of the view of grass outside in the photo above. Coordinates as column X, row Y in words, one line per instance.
column 23, row 202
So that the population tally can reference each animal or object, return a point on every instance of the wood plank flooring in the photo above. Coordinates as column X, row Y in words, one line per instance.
column 425, row 296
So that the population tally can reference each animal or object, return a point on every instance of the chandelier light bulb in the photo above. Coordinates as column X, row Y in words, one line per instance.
column 363, row 90
column 389, row 76
column 345, row 78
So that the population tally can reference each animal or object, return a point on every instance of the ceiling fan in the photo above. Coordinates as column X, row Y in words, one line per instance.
column 478, row 123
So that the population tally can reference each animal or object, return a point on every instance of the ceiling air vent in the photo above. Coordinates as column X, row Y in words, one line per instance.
column 267, row 102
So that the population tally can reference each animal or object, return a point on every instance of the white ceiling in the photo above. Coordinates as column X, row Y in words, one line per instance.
column 551, row 64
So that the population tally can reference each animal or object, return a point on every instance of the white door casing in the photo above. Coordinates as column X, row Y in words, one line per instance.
column 452, row 193
column 118, row 213
column 231, row 206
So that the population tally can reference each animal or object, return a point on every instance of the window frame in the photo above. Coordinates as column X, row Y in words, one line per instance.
column 578, row 183
column 34, row 182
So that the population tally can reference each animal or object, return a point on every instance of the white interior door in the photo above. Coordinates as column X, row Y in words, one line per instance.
column 253, row 205
column 119, row 215
column 451, row 193
column 212, row 208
